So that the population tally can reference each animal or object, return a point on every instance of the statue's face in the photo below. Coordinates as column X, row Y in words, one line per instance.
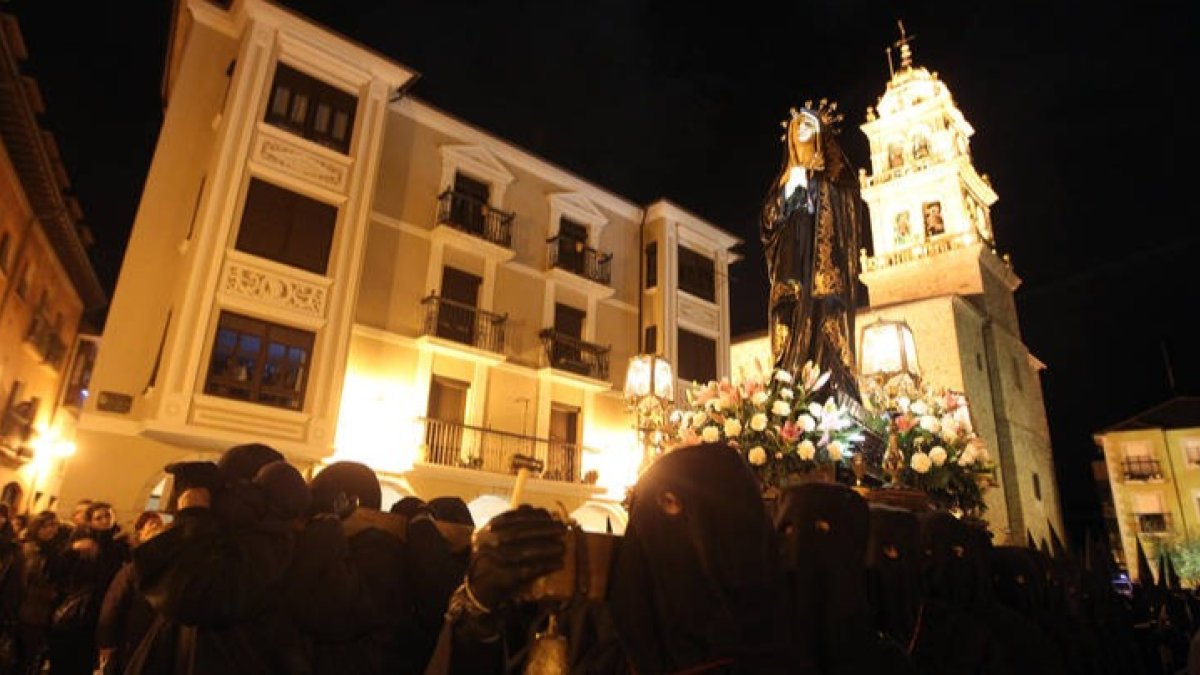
column 807, row 127
column 804, row 143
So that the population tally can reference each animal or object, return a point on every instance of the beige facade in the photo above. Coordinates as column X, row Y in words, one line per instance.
column 933, row 266
column 46, row 284
column 1153, row 463
column 443, row 302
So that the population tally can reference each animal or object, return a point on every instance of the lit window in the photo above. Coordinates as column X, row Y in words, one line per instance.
column 260, row 362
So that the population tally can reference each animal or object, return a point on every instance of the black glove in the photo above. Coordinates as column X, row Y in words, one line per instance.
column 512, row 550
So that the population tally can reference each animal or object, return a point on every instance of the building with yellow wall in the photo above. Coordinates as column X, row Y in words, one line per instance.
column 1153, row 462
column 47, row 284
column 322, row 262
column 934, row 268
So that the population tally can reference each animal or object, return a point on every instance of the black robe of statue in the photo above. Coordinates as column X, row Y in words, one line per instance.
column 811, row 243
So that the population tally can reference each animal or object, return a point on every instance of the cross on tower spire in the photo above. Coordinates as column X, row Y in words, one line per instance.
column 904, row 45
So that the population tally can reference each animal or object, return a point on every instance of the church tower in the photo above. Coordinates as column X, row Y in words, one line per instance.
column 934, row 266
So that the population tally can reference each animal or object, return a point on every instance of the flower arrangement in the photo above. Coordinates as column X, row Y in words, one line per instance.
column 942, row 454
column 774, row 420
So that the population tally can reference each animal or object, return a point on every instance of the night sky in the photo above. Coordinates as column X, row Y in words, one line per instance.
column 1079, row 111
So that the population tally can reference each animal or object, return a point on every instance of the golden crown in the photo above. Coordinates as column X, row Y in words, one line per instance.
column 825, row 110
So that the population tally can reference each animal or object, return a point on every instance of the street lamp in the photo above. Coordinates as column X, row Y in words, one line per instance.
column 649, row 391
column 888, row 351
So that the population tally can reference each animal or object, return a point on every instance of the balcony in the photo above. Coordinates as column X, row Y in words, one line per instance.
column 1153, row 523
column 474, row 217
column 463, row 323
column 576, row 257
column 463, row 446
column 43, row 337
column 1141, row 469
column 569, row 353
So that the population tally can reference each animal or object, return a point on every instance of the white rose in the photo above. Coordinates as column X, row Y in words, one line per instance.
column 806, row 423
column 757, row 456
column 967, row 458
column 919, row 408
column 806, row 450
column 902, row 403
column 783, row 376
column 710, row 434
column 835, row 450
column 930, row 423
column 758, row 422
column 963, row 416
column 830, row 406
column 760, row 398
column 949, row 428
column 699, row 419
column 785, row 394
column 920, row 462
column 815, row 410
column 733, row 428
column 781, row 408
column 938, row 455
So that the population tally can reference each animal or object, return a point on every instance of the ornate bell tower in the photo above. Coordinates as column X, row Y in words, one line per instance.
column 934, row 265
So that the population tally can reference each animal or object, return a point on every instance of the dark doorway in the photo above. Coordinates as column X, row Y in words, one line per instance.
column 564, row 443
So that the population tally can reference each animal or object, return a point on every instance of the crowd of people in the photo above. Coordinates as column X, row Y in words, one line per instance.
column 255, row 570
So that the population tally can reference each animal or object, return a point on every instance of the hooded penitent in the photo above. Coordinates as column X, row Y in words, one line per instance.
column 697, row 578
column 894, row 571
column 351, row 481
column 824, row 529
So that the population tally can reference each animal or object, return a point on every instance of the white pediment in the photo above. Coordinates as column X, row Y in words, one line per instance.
column 577, row 207
column 477, row 161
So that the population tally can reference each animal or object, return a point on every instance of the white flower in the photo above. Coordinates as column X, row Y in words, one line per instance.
column 830, row 406
column 806, row 423
column 760, row 398
column 758, row 422
column 930, row 423
column 685, row 420
column 835, row 449
column 733, row 428
column 710, row 434
column 920, row 462
column 967, row 458
column 919, row 408
column 698, row 419
column 757, row 455
column 815, row 410
column 785, row 394
column 963, row 416
column 949, row 428
column 713, row 403
column 903, row 403
column 938, row 455
column 783, row 376
column 781, row 408
column 806, row 450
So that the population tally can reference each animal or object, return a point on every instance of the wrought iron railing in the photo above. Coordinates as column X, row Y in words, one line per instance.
column 1154, row 523
column 574, row 255
column 43, row 335
column 473, row 216
column 464, row 323
column 465, row 446
column 1141, row 468
column 567, row 352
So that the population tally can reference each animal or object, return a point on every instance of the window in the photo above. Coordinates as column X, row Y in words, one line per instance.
column 650, row 340
column 456, row 314
column 652, row 265
column 310, row 108
column 1037, row 487
column 572, row 246
column 26, row 280
column 260, row 362
column 444, row 422
column 286, row 227
column 1018, row 380
column 468, row 206
column 697, row 357
column 1191, row 452
column 696, row 274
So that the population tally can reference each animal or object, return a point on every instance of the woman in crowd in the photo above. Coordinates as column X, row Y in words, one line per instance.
column 125, row 614
column 45, row 540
